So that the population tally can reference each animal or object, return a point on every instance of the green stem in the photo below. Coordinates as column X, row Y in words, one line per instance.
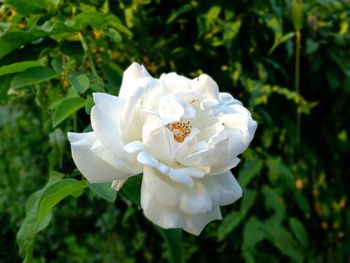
column 174, row 242
column 297, row 83
column 75, row 122
column 88, row 54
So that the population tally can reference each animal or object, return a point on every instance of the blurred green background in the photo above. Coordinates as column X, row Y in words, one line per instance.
column 287, row 61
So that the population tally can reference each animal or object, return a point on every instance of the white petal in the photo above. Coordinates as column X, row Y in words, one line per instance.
column 175, row 82
column 111, row 103
column 182, row 149
column 173, row 109
column 117, row 184
column 135, row 147
column 225, row 151
column 227, row 99
column 132, row 120
column 93, row 168
column 196, row 223
column 172, row 217
column 158, row 213
column 252, row 125
column 190, row 200
column 229, row 164
column 179, row 175
column 206, row 85
column 128, row 164
column 133, row 72
column 224, row 188
column 105, row 122
column 158, row 139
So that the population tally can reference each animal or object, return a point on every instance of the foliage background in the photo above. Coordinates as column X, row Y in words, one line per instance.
column 55, row 53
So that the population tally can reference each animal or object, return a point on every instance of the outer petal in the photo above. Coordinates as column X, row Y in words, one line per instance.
column 189, row 200
column 130, row 165
column 133, row 72
column 172, row 217
column 94, row 169
column 175, row 82
column 204, row 84
column 224, row 188
column 105, row 120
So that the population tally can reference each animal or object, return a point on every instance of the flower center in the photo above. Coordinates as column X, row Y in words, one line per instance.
column 180, row 130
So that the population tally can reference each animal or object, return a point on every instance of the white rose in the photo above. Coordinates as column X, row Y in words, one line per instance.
column 182, row 134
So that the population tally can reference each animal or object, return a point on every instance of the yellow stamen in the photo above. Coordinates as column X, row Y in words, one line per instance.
column 180, row 130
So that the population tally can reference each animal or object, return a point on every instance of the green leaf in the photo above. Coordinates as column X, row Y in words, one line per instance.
column 280, row 40
column 299, row 232
column 29, row 7
column 311, row 46
column 66, row 108
column 213, row 13
column 89, row 103
column 58, row 143
column 114, row 35
column 274, row 201
column 248, row 199
column 12, row 40
column 131, row 189
column 105, row 191
column 250, row 169
column 228, row 224
column 18, row 67
column 5, row 83
column 231, row 29
column 283, row 240
column 278, row 171
column 80, row 82
column 176, row 13
column 252, row 233
column 33, row 76
column 232, row 220
column 39, row 210
column 54, row 193
column 92, row 18
column 174, row 243
column 303, row 203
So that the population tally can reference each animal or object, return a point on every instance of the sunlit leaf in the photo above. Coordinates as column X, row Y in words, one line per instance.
column 18, row 67
column 33, row 76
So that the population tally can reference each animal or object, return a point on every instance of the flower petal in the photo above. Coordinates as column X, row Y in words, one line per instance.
column 93, row 168
column 175, row 82
column 132, row 117
column 224, row 188
column 105, row 121
column 179, row 175
column 204, row 84
column 158, row 139
column 133, row 72
column 190, row 200
column 117, row 184
column 173, row 109
column 172, row 217
column 128, row 164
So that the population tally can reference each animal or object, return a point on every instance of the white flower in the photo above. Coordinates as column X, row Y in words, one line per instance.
column 182, row 134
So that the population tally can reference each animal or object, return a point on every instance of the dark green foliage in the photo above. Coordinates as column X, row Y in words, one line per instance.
column 55, row 53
